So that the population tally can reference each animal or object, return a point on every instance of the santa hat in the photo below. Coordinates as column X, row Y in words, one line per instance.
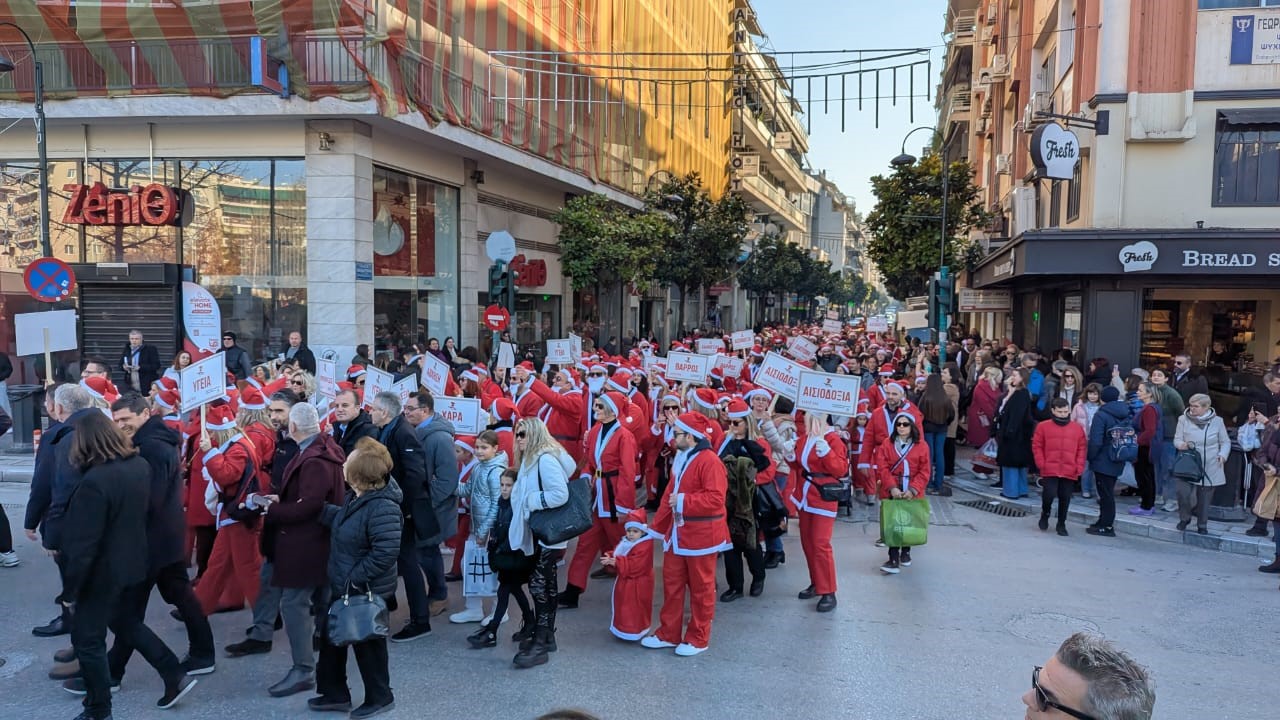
column 470, row 375
column 413, row 360
column 621, row 379
column 503, row 409
column 694, row 424
column 168, row 399
column 738, row 409
column 570, row 375
column 100, row 388
column 275, row 386
column 616, row 401
column 669, row 397
column 466, row 442
column 705, row 398
column 636, row 521
column 166, row 383
column 758, row 392
column 886, row 370
column 252, row 399
column 757, row 351
column 864, row 408
column 480, row 370
column 219, row 417
column 356, row 371
column 527, row 365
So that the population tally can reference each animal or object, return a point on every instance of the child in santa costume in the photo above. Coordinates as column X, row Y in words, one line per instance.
column 633, row 590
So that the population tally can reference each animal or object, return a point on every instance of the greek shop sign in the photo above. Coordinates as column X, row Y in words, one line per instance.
column 1255, row 39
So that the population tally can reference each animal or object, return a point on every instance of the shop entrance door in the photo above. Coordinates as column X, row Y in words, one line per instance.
column 117, row 298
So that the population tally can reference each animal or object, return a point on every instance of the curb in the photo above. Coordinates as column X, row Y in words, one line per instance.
column 16, row 476
column 1229, row 542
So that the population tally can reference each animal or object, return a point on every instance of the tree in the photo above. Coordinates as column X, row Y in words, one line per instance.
column 708, row 235
column 601, row 240
column 904, row 225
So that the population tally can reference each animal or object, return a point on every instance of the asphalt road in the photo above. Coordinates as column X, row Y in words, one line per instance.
column 953, row 636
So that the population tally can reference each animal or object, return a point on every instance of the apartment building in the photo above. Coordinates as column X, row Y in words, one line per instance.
column 1153, row 231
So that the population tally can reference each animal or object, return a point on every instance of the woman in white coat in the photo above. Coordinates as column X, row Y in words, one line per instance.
column 1202, row 429
column 542, row 483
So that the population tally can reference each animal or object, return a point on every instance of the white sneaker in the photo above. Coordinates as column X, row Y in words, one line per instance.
column 653, row 642
column 687, row 650
column 489, row 618
column 467, row 616
column 1171, row 506
column 9, row 559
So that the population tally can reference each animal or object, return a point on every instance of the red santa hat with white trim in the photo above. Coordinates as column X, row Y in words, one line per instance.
column 570, row 375
column 466, row 442
column 356, row 371
column 621, row 379
column 694, row 424
column 616, row 401
column 705, row 398
column 503, row 409
column 470, row 374
column 738, row 409
column 636, row 520
column 100, row 388
column 252, row 399
column 757, row 392
column 168, row 399
column 219, row 417
column 886, row 370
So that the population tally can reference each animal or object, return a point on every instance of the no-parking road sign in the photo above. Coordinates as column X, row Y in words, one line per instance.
column 49, row 279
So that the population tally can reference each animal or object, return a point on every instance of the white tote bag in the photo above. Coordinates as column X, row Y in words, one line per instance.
column 478, row 579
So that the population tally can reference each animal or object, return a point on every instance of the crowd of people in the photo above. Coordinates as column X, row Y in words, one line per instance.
column 280, row 500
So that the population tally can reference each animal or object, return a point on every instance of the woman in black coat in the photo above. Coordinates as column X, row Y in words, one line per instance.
column 1014, row 429
column 364, row 546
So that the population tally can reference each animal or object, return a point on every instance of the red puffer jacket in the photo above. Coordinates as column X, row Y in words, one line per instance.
column 1059, row 450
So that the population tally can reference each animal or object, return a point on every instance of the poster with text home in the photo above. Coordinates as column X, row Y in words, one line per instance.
column 802, row 349
column 742, row 340
column 779, row 374
column 201, row 321
column 828, row 393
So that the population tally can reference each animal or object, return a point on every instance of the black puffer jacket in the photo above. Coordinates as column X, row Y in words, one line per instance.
column 365, row 540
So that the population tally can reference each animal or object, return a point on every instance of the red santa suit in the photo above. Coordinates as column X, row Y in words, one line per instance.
column 822, row 461
column 633, row 589
column 880, row 427
column 231, row 578
column 906, row 470
column 562, row 413
column 611, row 466
column 459, row 541
column 695, row 532
column 527, row 401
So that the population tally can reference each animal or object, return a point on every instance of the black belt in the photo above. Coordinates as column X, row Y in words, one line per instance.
column 703, row 518
column 564, row 437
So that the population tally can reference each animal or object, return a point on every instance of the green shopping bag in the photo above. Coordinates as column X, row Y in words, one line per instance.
column 904, row 523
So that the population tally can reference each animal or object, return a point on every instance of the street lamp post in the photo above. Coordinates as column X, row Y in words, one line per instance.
column 7, row 65
column 904, row 159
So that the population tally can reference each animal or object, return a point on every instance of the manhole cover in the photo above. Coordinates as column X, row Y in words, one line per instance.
column 994, row 507
column 1047, row 627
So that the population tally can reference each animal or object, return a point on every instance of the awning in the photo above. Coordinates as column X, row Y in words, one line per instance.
column 1252, row 116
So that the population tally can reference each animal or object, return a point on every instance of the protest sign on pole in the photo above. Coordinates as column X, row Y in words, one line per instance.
column 729, row 366
column 833, row 315
column 327, row 377
column 653, row 362
column 575, row 346
column 878, row 324
column 828, row 393
column 45, row 332
column 688, row 367
column 506, row 355
column 743, row 340
column 710, row 346
column 464, row 413
column 203, row 382
column 831, row 326
column 560, row 352
column 779, row 374
column 802, row 349
column 404, row 388
column 376, row 381
column 435, row 374
column 201, row 321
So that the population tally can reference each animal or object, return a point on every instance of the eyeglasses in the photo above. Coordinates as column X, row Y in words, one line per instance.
column 596, row 375
column 296, row 382
column 598, row 406
column 520, row 434
column 902, row 424
column 411, row 408
column 1044, row 703
column 671, row 408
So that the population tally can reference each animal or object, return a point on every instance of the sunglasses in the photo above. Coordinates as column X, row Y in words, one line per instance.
column 598, row 406
column 520, row 434
column 902, row 424
column 736, row 423
column 1044, row 703
column 296, row 382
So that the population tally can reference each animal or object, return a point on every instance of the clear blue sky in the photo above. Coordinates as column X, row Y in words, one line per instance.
column 853, row 156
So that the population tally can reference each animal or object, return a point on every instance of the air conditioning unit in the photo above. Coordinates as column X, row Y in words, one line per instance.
column 988, row 35
column 1003, row 163
column 982, row 125
column 1043, row 101
column 1024, row 211
column 986, row 76
column 1000, row 66
column 992, row 12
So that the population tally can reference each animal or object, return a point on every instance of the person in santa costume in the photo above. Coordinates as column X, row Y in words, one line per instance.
column 611, row 466
column 744, row 441
column 464, row 447
column 880, row 426
column 527, row 402
column 902, row 470
column 596, row 381
column 632, row 599
column 819, row 458
column 562, row 409
column 503, row 413
column 863, row 479
column 226, row 462
column 691, row 518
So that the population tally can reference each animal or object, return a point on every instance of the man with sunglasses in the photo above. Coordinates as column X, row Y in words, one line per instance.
column 527, row 402
column 1188, row 380
column 611, row 466
column 237, row 359
column 1088, row 678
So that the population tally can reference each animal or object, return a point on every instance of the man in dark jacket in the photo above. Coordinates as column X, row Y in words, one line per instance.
column 409, row 470
column 300, row 353
column 436, row 435
column 237, row 358
column 1188, row 380
column 139, row 363
column 52, row 483
column 300, row 542
column 1105, row 470
column 166, row 530
column 350, row 423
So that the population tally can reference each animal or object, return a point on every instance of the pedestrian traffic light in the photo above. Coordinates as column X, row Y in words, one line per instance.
column 944, row 289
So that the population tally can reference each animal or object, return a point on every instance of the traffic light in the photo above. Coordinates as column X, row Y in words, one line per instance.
column 499, row 284
column 945, row 290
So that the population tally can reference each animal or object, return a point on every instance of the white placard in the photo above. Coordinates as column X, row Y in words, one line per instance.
column 376, row 381
column 653, row 362
column 506, row 355
column 201, row 321
column 327, row 377
column 833, row 315
column 730, row 367
column 29, row 329
column 435, row 374
column 828, row 393
column 560, row 352
column 779, row 374
column 802, row 349
column 203, row 382
column 575, row 346
column 743, row 340
column 878, row 324
column 405, row 387
column 688, row 367
column 832, row 326
column 464, row 413
column 710, row 346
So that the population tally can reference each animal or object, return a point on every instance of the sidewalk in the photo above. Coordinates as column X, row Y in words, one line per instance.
column 1223, row 536
column 15, row 468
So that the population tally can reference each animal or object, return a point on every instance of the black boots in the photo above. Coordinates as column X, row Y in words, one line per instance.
column 1044, row 521
column 543, row 642
column 485, row 637
column 526, row 630
column 569, row 598
column 774, row 559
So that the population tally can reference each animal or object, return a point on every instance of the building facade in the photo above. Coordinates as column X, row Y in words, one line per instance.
column 346, row 161
column 1159, row 235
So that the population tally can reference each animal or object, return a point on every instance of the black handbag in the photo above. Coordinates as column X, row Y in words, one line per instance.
column 560, row 524
column 1188, row 466
column 358, row 618
column 770, row 511
column 836, row 492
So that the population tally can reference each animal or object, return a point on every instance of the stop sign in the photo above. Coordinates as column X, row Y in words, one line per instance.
column 496, row 318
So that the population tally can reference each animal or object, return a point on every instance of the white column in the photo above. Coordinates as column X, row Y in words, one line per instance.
column 339, row 235
column 473, row 264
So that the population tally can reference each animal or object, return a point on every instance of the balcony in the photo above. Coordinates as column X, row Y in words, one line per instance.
column 965, row 27
column 959, row 108
column 757, row 190
column 761, row 139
